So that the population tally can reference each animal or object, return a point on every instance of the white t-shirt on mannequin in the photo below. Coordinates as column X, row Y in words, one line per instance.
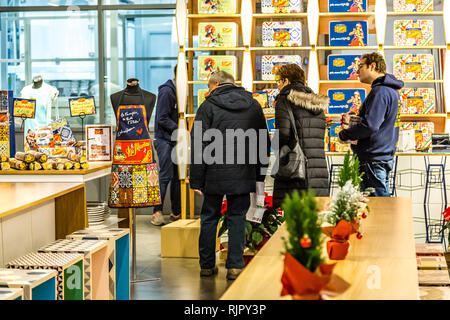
column 45, row 96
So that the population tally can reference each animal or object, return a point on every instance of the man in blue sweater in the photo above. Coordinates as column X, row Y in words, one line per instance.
column 374, row 139
column 166, row 122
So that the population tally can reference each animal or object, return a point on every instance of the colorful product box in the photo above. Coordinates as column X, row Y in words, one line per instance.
column 271, row 95
column 334, row 145
column 413, row 32
column 347, row 5
column 413, row 5
column 343, row 66
column 216, row 6
column 345, row 100
column 263, row 100
column 217, row 34
column 413, row 66
column 207, row 65
column 282, row 34
column 271, row 64
column 417, row 100
column 201, row 96
column 281, row 6
column 423, row 132
column 348, row 33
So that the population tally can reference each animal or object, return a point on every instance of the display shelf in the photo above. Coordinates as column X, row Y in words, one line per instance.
column 216, row 49
column 339, row 81
column 429, row 115
column 347, row 48
column 423, row 81
column 206, row 82
column 213, row 16
column 413, row 47
column 354, row 15
column 280, row 48
column 264, row 81
column 280, row 15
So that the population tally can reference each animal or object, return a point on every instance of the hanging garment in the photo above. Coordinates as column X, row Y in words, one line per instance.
column 134, row 174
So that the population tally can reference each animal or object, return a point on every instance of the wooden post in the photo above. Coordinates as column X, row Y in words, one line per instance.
column 183, row 199
column 191, row 203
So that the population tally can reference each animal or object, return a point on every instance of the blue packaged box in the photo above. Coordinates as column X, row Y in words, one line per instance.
column 347, row 5
column 343, row 66
column 348, row 33
column 345, row 100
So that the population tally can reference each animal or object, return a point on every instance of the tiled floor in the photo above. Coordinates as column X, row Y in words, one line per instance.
column 171, row 278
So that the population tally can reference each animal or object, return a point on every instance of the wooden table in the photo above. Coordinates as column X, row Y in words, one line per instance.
column 34, row 214
column 382, row 265
column 96, row 170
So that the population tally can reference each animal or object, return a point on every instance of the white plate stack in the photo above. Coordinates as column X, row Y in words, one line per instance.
column 97, row 212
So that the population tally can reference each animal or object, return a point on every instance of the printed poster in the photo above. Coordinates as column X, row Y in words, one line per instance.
column 343, row 66
column 99, row 143
column 348, row 33
column 24, row 108
column 345, row 100
column 82, row 106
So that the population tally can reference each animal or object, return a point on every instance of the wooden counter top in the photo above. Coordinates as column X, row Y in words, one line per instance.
column 387, row 248
column 93, row 167
column 15, row 197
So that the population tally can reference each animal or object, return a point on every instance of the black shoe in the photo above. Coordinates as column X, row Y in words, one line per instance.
column 173, row 217
column 208, row 272
column 232, row 274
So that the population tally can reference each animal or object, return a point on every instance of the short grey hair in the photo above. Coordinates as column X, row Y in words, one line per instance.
column 221, row 77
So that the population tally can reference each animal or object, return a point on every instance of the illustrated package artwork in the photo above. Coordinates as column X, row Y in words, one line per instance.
column 216, row 6
column 343, row 66
column 423, row 133
column 334, row 144
column 347, row 5
column 345, row 100
column 271, row 64
column 348, row 33
column 413, row 5
column 413, row 32
column 417, row 100
column 413, row 66
column 281, row 6
column 263, row 100
column 207, row 65
column 271, row 95
column 201, row 96
column 217, row 34
column 282, row 34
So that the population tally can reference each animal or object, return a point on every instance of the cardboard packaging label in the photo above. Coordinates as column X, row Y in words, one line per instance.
column 282, row 34
column 207, row 65
column 217, row 34
column 271, row 64
column 348, row 33
column 281, row 6
column 343, row 66
column 417, row 100
column 216, row 6
column 413, row 5
column 413, row 66
column 345, row 100
column 413, row 32
column 423, row 133
column 347, row 5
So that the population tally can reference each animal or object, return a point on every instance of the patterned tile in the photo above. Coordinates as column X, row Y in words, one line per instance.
column 114, row 195
column 140, row 195
column 139, row 179
column 125, row 180
column 126, row 196
column 114, row 179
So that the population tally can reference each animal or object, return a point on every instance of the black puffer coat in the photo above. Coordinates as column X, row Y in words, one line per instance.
column 308, row 109
column 229, row 109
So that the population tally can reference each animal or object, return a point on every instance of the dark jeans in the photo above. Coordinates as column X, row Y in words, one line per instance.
column 168, row 172
column 376, row 175
column 237, row 207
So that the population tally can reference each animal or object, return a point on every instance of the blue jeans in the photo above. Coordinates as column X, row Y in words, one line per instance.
column 168, row 172
column 376, row 175
column 237, row 207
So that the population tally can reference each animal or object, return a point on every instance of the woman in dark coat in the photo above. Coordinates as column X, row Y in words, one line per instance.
column 308, row 109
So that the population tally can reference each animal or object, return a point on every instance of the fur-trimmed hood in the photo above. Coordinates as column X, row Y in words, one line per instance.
column 313, row 102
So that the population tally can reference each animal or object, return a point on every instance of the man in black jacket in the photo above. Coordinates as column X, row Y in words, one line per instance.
column 375, row 136
column 230, row 150
column 166, row 122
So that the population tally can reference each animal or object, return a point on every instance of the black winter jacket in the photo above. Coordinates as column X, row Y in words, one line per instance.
column 308, row 110
column 229, row 107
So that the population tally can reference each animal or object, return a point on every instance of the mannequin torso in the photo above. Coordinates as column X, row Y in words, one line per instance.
column 132, row 95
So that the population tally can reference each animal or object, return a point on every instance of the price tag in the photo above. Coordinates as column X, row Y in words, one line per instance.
column 82, row 106
column 24, row 108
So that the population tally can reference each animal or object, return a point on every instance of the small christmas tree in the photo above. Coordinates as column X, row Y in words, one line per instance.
column 304, row 242
column 350, row 171
column 346, row 204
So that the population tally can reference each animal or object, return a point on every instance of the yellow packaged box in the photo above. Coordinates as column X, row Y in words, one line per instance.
column 180, row 239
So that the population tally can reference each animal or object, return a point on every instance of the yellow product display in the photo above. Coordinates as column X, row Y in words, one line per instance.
column 85, row 165
column 17, row 164
column 5, row 166
column 35, row 166
column 27, row 157
column 76, row 165
column 57, row 165
column 39, row 156
column 46, row 166
column 67, row 164
column 4, row 158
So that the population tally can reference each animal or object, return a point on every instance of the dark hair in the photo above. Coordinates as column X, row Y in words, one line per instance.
column 380, row 64
column 292, row 72
column 175, row 70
